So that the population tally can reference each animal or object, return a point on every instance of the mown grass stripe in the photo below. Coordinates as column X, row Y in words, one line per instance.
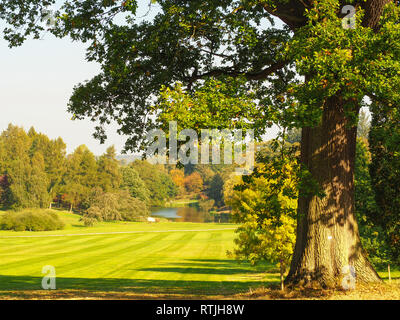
column 47, row 257
column 164, row 258
column 142, row 259
column 31, row 247
column 88, row 259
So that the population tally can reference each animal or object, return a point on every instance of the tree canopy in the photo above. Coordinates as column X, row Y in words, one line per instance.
column 258, row 46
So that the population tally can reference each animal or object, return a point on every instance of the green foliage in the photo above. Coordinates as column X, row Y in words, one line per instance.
column 31, row 220
column 89, row 221
column 107, row 206
column 270, row 241
column 80, row 177
column 27, row 186
column 216, row 189
column 229, row 187
column 265, row 204
column 34, row 170
column 213, row 105
column 28, row 183
column 132, row 182
column 219, row 64
column 158, row 182
column 350, row 63
column 384, row 139
column 364, row 194
column 54, row 153
column 373, row 237
column 108, row 172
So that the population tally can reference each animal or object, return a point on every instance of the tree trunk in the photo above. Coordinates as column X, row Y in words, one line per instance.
column 327, row 232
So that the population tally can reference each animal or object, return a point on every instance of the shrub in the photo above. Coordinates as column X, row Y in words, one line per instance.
column 30, row 220
column 114, row 206
column 88, row 221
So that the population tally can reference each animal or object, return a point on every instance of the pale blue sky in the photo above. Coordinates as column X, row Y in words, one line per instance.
column 35, row 85
column 36, row 82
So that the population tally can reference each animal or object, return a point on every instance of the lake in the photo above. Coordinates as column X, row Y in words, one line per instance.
column 190, row 213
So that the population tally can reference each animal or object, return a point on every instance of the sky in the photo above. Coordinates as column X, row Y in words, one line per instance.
column 36, row 82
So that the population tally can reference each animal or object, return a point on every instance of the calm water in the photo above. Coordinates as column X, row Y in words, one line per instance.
column 190, row 213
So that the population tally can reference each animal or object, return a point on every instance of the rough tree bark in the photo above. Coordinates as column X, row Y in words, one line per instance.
column 373, row 11
column 327, row 232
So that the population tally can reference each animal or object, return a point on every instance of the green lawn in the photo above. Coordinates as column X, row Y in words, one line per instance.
column 184, row 259
column 132, row 260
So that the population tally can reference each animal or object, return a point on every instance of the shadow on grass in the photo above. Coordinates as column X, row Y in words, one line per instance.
column 232, row 264
column 28, row 283
column 9, row 283
column 212, row 267
column 191, row 270
column 387, row 277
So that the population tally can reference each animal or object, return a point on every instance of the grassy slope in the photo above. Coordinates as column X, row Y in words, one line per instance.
column 74, row 226
column 156, row 263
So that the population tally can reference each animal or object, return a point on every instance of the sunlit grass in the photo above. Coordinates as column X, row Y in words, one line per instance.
column 75, row 226
column 147, row 261
column 160, row 259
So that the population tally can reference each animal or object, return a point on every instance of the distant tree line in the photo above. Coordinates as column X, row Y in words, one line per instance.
column 37, row 172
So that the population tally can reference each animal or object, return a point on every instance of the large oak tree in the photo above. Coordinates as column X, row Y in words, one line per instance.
column 259, row 62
